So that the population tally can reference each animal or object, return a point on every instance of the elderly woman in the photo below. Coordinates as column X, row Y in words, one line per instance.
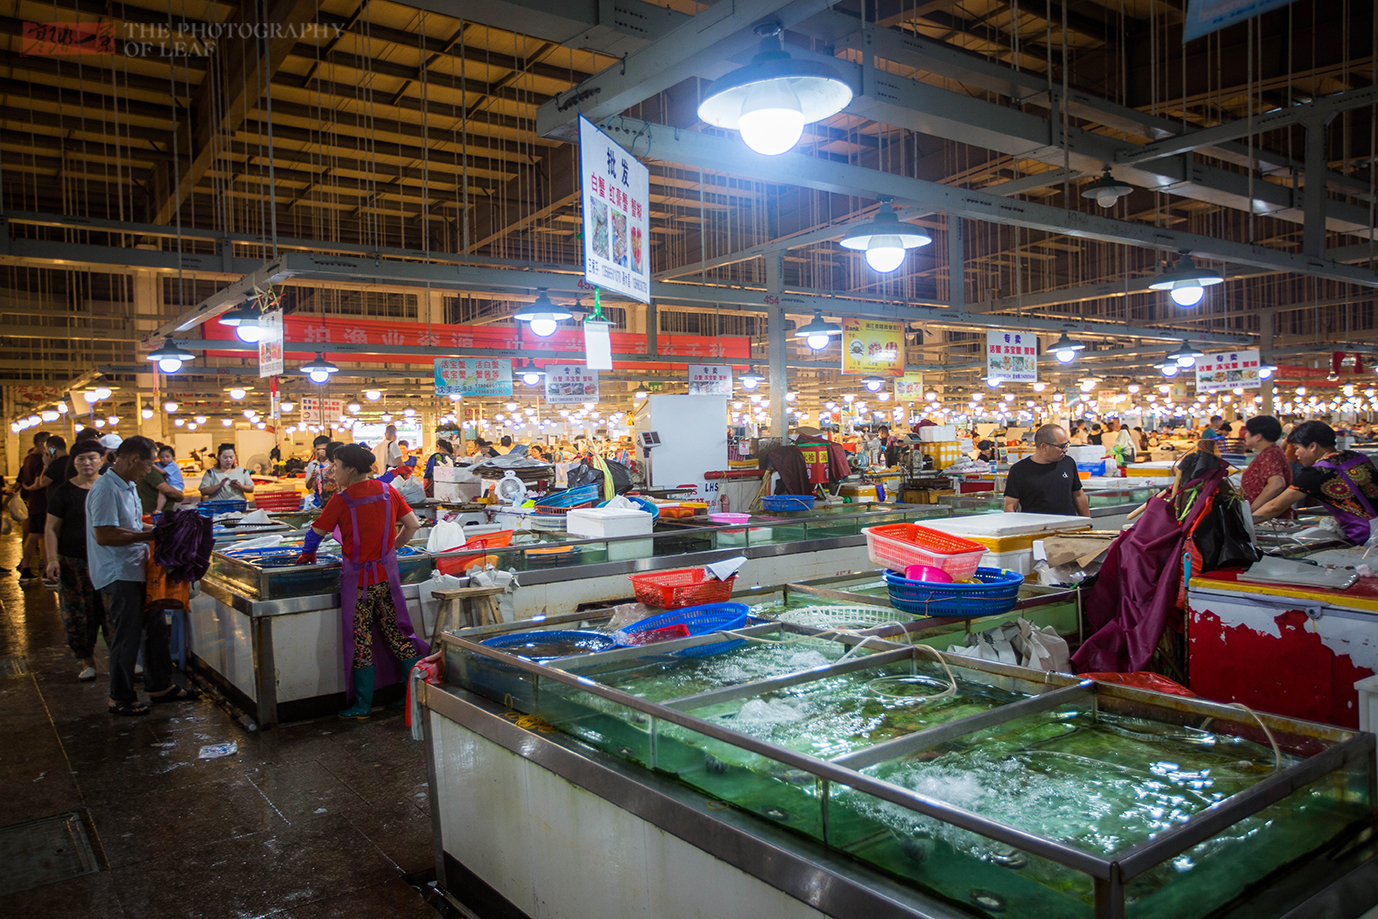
column 83, row 613
column 1270, row 474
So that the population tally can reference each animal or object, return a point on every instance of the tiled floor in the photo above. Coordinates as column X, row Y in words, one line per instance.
column 308, row 821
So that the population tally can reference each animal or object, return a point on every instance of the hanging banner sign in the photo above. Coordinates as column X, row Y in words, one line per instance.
column 270, row 353
column 872, row 347
column 598, row 345
column 570, row 384
column 473, row 376
column 909, row 388
column 710, row 379
column 616, row 191
column 1205, row 16
column 315, row 410
column 1227, row 370
column 1012, row 357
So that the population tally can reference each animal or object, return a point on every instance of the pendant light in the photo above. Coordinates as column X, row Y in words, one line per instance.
column 1106, row 190
column 817, row 332
column 543, row 315
column 1186, row 355
column 771, row 99
column 374, row 392
column 1266, row 370
column 170, row 356
column 885, row 239
column 1169, row 367
column 640, row 392
column 873, row 383
column 531, row 374
column 246, row 322
column 318, row 370
column 751, row 379
column 237, row 390
column 1064, row 349
column 1185, row 282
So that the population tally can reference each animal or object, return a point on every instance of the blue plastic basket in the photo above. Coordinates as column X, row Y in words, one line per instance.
column 571, row 497
column 530, row 644
column 211, row 508
column 996, row 591
column 784, row 503
column 1093, row 468
column 649, row 507
column 700, row 620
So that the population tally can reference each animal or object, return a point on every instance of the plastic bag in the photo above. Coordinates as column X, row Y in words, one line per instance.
column 18, row 509
column 492, row 577
column 585, row 474
column 991, row 645
column 1221, row 536
column 445, row 534
column 1042, row 649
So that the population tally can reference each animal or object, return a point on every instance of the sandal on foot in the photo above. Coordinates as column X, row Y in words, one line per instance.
column 174, row 694
column 129, row 709
column 87, row 674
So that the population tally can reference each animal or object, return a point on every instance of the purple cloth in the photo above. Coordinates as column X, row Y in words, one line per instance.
column 1137, row 587
column 182, row 543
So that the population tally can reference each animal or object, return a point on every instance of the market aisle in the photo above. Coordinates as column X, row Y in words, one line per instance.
column 309, row 821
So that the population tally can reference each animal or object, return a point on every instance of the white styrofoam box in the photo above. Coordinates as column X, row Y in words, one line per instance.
column 1368, row 703
column 1020, row 560
column 1086, row 453
column 1016, row 524
column 601, row 522
column 458, row 491
column 937, row 432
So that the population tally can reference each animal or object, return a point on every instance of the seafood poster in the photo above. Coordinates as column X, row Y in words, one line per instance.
column 1012, row 357
column 316, row 410
column 710, row 379
column 870, row 346
column 1224, row 370
column 616, row 190
column 909, row 388
column 569, row 384
column 473, row 376
column 270, row 356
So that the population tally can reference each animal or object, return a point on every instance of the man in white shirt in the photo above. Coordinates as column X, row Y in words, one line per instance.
column 387, row 454
column 117, row 553
column 226, row 482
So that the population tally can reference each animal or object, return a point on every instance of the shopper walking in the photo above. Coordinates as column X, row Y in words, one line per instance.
column 83, row 611
column 318, row 471
column 368, row 514
column 117, row 553
column 35, row 496
column 226, row 482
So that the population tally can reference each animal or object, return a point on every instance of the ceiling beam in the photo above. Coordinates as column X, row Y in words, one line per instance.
column 615, row 28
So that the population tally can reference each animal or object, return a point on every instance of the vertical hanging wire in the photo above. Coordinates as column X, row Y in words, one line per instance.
column 265, row 64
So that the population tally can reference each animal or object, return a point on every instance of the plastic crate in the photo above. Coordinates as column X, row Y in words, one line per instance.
column 457, row 560
column 995, row 591
column 279, row 502
column 898, row 545
column 681, row 588
column 1091, row 469
column 778, row 504
column 227, row 506
column 699, row 620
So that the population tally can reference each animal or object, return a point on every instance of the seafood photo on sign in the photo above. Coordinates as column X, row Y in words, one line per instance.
column 600, row 228
column 619, row 239
column 636, row 249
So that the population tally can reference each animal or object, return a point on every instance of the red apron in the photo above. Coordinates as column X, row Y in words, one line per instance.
column 387, row 670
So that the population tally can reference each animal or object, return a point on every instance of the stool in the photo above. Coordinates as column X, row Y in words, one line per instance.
column 465, row 607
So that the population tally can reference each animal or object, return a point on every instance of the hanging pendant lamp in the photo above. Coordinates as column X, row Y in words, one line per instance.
column 885, row 239
column 1185, row 282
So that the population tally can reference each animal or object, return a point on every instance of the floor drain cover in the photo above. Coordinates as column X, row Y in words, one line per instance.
column 13, row 666
column 44, row 851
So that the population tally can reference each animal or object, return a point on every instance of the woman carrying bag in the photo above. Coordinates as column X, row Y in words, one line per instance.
column 368, row 513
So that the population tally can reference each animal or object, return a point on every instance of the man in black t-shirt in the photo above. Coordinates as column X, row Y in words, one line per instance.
column 1047, row 482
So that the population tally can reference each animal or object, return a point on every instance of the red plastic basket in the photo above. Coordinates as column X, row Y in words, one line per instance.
column 280, row 501
column 458, row 559
column 898, row 545
column 676, row 589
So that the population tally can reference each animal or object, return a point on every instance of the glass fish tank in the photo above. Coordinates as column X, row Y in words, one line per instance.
column 1000, row 790
column 271, row 573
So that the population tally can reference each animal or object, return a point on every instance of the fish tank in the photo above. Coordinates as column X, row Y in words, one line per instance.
column 270, row 573
column 1001, row 790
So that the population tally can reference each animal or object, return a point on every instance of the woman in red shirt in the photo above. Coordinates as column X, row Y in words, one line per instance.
column 1269, row 474
column 367, row 514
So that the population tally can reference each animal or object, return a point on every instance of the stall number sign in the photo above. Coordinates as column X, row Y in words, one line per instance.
column 1012, row 356
column 616, row 192
column 473, row 376
column 315, row 410
column 710, row 380
column 570, row 384
column 1227, row 370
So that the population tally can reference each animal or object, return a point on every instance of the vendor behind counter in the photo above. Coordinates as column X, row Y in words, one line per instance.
column 1047, row 482
column 1343, row 481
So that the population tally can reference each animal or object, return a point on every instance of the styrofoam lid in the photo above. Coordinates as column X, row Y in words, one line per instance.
column 1016, row 524
column 607, row 513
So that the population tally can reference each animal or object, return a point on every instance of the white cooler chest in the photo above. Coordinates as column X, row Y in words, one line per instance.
column 607, row 522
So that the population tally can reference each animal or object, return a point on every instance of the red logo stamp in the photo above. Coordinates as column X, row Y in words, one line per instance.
column 49, row 39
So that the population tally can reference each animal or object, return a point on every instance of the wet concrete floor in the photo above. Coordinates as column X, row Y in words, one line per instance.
column 307, row 821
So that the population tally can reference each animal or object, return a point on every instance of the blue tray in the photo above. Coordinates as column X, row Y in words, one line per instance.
column 785, row 503
column 996, row 591
column 700, row 620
